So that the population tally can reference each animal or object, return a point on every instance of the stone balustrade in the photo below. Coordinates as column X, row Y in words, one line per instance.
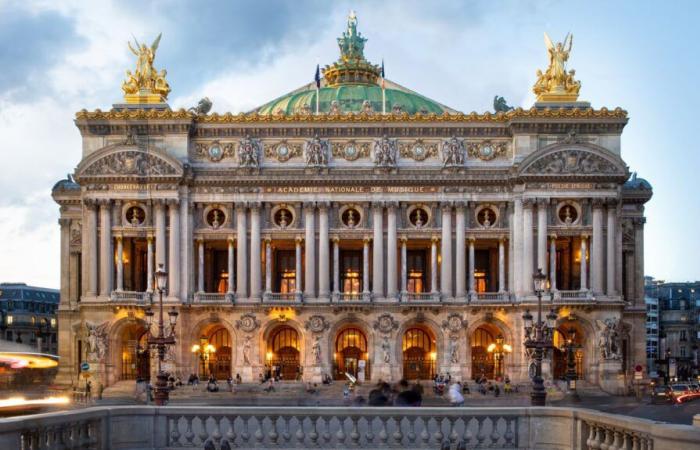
column 206, row 297
column 131, row 297
column 142, row 427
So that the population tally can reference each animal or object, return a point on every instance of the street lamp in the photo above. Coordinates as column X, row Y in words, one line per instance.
column 538, row 337
column 43, row 331
column 162, row 341
column 204, row 350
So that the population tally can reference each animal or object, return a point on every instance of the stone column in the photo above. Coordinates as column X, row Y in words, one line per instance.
column 584, row 265
column 323, row 253
column 612, row 245
column 434, row 265
column 502, row 264
column 309, row 251
column 336, row 266
column 517, row 227
column 528, row 250
column 200, row 265
column 297, row 270
column 230, row 287
column 597, row 248
column 65, row 295
column 404, row 269
column 268, row 266
column 255, row 263
column 553, row 262
column 472, row 281
column 174, row 253
column 639, row 260
column 106, row 253
column 186, row 245
column 446, row 250
column 460, row 260
column 378, row 252
column 241, row 253
column 391, row 249
column 149, row 264
column 365, row 267
column 160, row 232
column 120, row 263
column 542, row 235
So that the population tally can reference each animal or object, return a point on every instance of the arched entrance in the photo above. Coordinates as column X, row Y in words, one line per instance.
column 283, row 353
column 350, row 354
column 215, row 360
column 562, row 336
column 419, row 354
column 488, row 351
column 135, row 355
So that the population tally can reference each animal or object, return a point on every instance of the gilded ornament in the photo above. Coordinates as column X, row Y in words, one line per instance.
column 418, row 150
column 556, row 84
column 248, row 323
column 351, row 150
column 283, row 151
column 215, row 150
column 487, row 150
column 145, row 85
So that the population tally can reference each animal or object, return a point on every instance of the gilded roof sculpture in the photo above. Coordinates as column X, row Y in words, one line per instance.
column 145, row 85
column 556, row 84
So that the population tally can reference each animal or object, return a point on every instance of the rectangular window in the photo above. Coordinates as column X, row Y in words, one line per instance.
column 350, row 268
column 683, row 352
column 417, row 270
column 286, row 271
column 683, row 335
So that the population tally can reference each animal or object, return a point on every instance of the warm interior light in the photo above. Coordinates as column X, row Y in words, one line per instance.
column 507, row 348
column 491, row 347
column 195, row 348
column 21, row 401
column 210, row 348
column 433, row 356
column 269, row 356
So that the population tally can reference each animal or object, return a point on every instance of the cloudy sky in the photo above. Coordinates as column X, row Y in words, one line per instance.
column 60, row 57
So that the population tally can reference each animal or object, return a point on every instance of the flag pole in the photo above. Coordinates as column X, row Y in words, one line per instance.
column 317, row 78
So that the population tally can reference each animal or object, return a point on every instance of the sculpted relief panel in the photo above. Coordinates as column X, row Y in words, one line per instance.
column 572, row 162
column 131, row 162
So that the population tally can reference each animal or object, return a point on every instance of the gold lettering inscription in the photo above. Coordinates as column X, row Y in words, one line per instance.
column 351, row 189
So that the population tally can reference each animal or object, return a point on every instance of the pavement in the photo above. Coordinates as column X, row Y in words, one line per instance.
column 294, row 394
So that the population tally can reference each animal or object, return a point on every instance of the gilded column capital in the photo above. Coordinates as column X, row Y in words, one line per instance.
column 231, row 239
column 471, row 239
column 552, row 235
column 150, row 238
column 502, row 238
column 299, row 240
column 199, row 239
column 268, row 240
column 366, row 239
column 403, row 239
column 585, row 236
column 335, row 239
column 435, row 239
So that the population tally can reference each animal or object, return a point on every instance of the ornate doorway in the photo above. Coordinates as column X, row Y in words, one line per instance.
column 219, row 361
column 351, row 354
column 135, row 355
column 419, row 354
column 559, row 356
column 483, row 361
column 283, row 352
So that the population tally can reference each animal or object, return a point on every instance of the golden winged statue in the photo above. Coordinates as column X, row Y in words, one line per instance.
column 556, row 84
column 145, row 84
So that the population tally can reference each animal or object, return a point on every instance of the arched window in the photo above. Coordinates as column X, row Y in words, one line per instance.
column 283, row 359
column 419, row 354
column 351, row 354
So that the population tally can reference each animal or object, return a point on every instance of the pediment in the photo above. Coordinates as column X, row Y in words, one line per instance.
column 573, row 160
column 129, row 161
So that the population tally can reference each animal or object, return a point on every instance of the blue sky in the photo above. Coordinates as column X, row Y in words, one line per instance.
column 60, row 57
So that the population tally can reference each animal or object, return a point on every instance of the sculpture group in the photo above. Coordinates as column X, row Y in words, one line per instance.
column 146, row 81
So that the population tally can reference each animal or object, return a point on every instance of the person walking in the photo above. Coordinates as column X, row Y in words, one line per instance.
column 454, row 395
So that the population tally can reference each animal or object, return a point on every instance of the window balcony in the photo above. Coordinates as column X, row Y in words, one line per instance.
column 213, row 297
column 282, row 297
column 131, row 297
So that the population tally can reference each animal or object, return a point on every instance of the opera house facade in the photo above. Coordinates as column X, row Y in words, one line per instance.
column 352, row 226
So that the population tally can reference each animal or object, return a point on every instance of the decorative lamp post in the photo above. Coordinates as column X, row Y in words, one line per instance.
column 499, row 350
column 161, row 342
column 204, row 349
column 571, row 375
column 538, row 338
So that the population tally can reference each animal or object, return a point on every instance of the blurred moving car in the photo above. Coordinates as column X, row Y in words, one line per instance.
column 661, row 394
column 683, row 393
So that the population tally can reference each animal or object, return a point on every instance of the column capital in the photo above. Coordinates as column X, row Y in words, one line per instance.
column 159, row 202
column 268, row 240
column 104, row 202
column 335, row 239
column 309, row 206
column 118, row 237
column 435, row 239
column 528, row 202
column 150, row 238
column 639, row 221
column 502, row 239
column 63, row 222
column 299, row 240
column 471, row 239
column 446, row 206
column 585, row 236
column 611, row 202
column 377, row 206
column 403, row 239
column 90, row 203
column 597, row 203
column 173, row 203
column 542, row 202
column 239, row 207
column 323, row 206
column 254, row 206
column 366, row 239
column 459, row 205
column 231, row 239
column 392, row 205
column 553, row 235
column 199, row 240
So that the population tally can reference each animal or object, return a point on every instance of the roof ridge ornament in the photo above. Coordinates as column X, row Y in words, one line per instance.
column 557, row 84
column 351, row 67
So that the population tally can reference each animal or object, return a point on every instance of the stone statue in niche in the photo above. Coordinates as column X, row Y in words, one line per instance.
column 386, row 350
column 246, row 350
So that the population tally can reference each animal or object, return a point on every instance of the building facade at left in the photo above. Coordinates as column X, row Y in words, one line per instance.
column 28, row 316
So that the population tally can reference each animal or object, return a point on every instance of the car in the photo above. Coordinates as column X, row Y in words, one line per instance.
column 695, row 387
column 661, row 394
column 682, row 392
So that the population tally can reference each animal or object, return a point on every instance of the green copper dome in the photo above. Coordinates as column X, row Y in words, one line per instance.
column 352, row 84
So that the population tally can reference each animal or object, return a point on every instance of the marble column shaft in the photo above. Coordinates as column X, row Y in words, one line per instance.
column 639, row 261
column 160, row 233
column 584, row 263
column 255, row 250
column 542, row 236
column 149, row 264
column 501, row 265
column 528, row 250
column 433, row 265
column 323, row 253
column 517, row 226
column 404, row 267
column 597, row 249
column 106, row 253
column 268, row 266
column 174, row 253
column 229, row 263
column 378, row 252
column 336, row 265
column 460, row 260
column 472, row 281
column 446, row 251
column 365, row 266
column 120, row 263
column 298, row 268
column 391, row 256
column 200, row 265
column 553, row 262
column 611, row 246
column 309, row 252
column 241, row 253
